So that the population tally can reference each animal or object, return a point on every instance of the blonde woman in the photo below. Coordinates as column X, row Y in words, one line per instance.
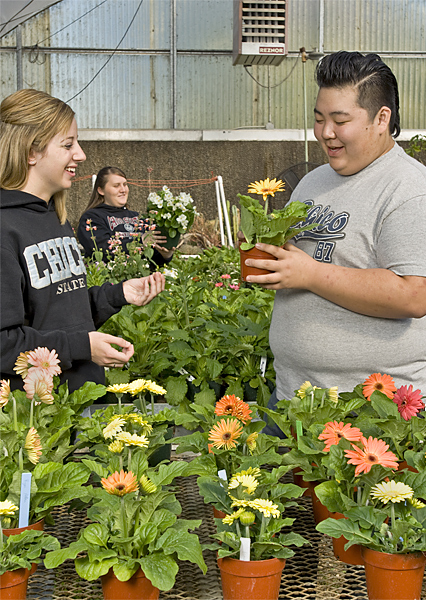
column 44, row 297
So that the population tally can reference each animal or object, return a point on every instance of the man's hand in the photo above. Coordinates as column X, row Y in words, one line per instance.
column 141, row 291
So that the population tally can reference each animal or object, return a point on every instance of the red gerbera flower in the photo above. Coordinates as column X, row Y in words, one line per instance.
column 381, row 383
column 333, row 432
column 374, row 452
column 409, row 401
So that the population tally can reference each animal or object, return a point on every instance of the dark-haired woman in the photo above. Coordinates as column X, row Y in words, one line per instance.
column 107, row 217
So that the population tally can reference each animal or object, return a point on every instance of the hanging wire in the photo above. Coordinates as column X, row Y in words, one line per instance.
column 112, row 54
column 35, row 50
column 12, row 18
column 277, row 84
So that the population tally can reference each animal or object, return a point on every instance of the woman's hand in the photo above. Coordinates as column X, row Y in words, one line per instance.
column 157, row 240
column 103, row 353
column 141, row 291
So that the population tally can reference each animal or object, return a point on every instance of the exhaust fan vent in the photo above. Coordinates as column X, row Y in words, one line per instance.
column 259, row 32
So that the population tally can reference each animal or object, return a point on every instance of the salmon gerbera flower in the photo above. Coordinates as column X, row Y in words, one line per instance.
column 120, row 484
column 374, row 452
column 378, row 382
column 22, row 365
column 233, row 406
column 45, row 359
column 4, row 392
column 39, row 384
column 333, row 432
column 266, row 187
column 409, row 401
column 225, row 433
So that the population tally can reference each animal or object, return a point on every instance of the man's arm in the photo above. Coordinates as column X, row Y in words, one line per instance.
column 371, row 292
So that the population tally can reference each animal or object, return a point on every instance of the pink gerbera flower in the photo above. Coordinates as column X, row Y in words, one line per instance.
column 409, row 401
column 38, row 383
column 43, row 358
column 374, row 452
column 333, row 432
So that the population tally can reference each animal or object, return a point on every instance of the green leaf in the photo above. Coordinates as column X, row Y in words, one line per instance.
column 57, row 557
column 96, row 534
column 161, row 570
column 93, row 570
column 186, row 545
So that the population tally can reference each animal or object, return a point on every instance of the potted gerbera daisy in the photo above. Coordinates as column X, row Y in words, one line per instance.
column 276, row 227
column 251, row 546
column 388, row 524
column 134, row 541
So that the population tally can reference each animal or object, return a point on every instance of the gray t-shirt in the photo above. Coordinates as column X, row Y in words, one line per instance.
column 373, row 219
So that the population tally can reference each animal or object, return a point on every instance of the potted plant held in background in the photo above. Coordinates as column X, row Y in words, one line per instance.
column 275, row 228
column 173, row 215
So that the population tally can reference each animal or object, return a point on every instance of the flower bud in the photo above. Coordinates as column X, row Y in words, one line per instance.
column 247, row 518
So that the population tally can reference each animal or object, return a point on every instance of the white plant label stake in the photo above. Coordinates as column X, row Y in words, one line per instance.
column 222, row 475
column 245, row 549
column 263, row 361
column 24, row 502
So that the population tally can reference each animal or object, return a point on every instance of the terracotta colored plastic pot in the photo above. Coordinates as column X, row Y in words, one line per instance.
column 320, row 510
column 39, row 526
column 393, row 576
column 298, row 480
column 13, row 584
column 138, row 587
column 256, row 254
column 350, row 557
column 251, row 580
column 218, row 514
column 404, row 465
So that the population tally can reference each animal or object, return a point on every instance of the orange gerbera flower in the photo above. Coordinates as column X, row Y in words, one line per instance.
column 120, row 484
column 235, row 407
column 374, row 452
column 333, row 432
column 382, row 383
column 224, row 433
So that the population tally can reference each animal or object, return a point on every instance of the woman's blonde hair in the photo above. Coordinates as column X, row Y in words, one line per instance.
column 29, row 119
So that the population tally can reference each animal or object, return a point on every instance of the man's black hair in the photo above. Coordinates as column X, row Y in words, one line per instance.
column 375, row 82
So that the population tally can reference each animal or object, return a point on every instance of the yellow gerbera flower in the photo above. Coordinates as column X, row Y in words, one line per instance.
column 139, row 420
column 152, row 387
column 416, row 503
column 22, row 365
column 251, row 440
column 116, row 446
column 137, row 386
column 255, row 471
column 229, row 519
column 301, row 392
column 333, row 394
column 114, row 426
column 118, row 388
column 33, row 446
column 130, row 439
column 147, row 485
column 391, row 491
column 266, row 187
column 4, row 392
column 7, row 508
column 247, row 481
column 266, row 507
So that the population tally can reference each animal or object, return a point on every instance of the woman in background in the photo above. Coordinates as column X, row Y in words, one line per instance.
column 44, row 296
column 107, row 216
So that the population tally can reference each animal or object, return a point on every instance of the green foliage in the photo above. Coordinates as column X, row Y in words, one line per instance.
column 20, row 551
column 198, row 336
column 171, row 214
column 137, row 529
column 416, row 147
column 275, row 228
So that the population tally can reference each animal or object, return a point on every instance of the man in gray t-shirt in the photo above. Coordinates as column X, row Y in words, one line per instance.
column 351, row 293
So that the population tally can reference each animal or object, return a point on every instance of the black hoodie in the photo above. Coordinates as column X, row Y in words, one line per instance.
column 44, row 296
column 108, row 220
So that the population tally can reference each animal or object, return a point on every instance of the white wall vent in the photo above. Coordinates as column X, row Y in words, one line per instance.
column 259, row 32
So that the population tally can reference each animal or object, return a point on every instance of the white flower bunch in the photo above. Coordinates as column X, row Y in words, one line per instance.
column 173, row 213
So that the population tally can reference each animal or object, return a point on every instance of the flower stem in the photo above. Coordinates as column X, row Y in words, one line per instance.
column 15, row 416
column 266, row 205
column 21, row 459
column 31, row 413
column 119, row 403
column 152, row 404
column 1, row 535
column 129, row 459
column 123, row 518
